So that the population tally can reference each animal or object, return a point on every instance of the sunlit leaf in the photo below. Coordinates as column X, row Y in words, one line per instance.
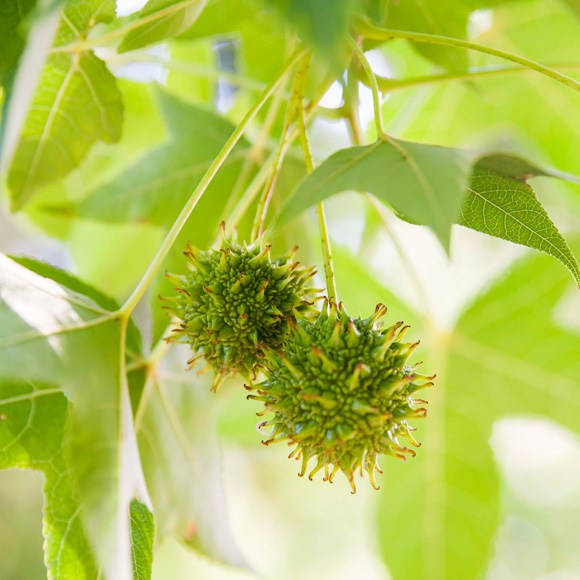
column 79, row 287
column 506, row 356
column 439, row 512
column 181, row 460
column 33, row 417
column 161, row 19
column 508, row 208
column 54, row 335
column 77, row 103
column 21, row 64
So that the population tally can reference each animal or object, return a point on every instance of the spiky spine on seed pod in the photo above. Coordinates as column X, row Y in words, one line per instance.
column 342, row 393
column 236, row 301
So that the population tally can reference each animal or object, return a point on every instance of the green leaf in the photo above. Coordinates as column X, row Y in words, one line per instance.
column 154, row 189
column 70, row 282
column 508, row 208
column 438, row 513
column 13, row 14
column 22, row 65
column 425, row 183
column 142, row 536
column 182, row 461
column 519, row 168
column 322, row 23
column 445, row 17
column 54, row 335
column 33, row 418
column 77, row 103
column 161, row 19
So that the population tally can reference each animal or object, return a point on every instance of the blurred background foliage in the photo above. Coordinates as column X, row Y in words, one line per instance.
column 495, row 488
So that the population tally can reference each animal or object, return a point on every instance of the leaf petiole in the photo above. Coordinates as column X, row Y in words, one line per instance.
column 375, row 33
column 264, row 201
column 322, row 227
column 387, row 85
column 373, row 85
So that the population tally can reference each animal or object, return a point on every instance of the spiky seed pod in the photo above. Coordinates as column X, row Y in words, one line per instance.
column 342, row 393
column 236, row 301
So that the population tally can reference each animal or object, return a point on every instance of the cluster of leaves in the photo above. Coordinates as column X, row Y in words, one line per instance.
column 110, row 168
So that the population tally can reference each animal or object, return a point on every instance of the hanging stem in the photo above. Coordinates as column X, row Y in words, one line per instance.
column 264, row 202
column 181, row 220
column 374, row 87
column 351, row 104
column 327, row 254
column 309, row 162
column 373, row 32
column 255, row 154
column 254, row 186
column 250, row 193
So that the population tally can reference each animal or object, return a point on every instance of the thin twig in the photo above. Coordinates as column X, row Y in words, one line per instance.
column 181, row 220
column 375, row 33
column 322, row 227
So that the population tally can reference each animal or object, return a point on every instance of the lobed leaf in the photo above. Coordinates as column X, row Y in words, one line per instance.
column 51, row 334
column 181, row 459
column 76, row 104
column 425, row 183
column 438, row 513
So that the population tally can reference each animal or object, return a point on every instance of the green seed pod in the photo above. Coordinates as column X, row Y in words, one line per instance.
column 237, row 301
column 342, row 393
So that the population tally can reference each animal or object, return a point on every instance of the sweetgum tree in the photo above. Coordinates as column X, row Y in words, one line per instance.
column 184, row 156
